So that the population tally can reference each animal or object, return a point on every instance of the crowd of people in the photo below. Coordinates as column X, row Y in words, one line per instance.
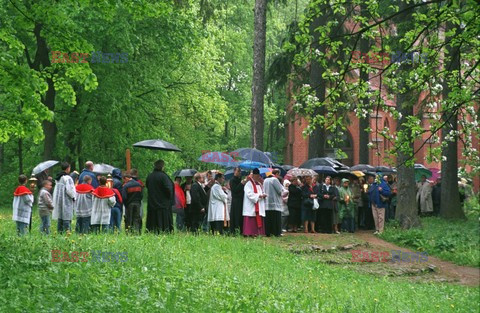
column 247, row 205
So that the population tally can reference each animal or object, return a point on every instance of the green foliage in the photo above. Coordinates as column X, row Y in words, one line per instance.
column 455, row 241
column 346, row 23
column 184, row 273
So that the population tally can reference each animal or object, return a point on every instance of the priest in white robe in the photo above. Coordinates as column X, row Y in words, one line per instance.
column 218, row 215
column 254, row 206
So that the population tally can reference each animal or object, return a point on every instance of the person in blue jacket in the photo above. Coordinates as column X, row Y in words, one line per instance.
column 88, row 170
column 378, row 195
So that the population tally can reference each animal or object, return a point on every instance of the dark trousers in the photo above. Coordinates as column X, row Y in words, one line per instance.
column 83, row 225
column 348, row 224
column 115, row 218
column 324, row 220
column 188, row 215
column 196, row 220
column 133, row 221
column 217, row 226
column 273, row 223
column 63, row 225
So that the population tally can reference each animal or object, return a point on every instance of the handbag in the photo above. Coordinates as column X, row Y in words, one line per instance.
column 316, row 205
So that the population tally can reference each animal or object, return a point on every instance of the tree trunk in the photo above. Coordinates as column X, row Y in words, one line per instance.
column 363, row 150
column 258, row 81
column 407, row 212
column 450, row 206
column 42, row 59
column 317, row 141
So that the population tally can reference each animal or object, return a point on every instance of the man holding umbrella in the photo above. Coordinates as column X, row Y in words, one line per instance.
column 160, row 200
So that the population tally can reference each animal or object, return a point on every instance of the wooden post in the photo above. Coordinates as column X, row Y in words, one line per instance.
column 127, row 156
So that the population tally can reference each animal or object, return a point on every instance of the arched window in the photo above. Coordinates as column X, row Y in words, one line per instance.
column 345, row 144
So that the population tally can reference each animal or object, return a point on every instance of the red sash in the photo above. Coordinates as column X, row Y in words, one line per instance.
column 103, row 192
column 257, row 206
column 21, row 191
column 84, row 188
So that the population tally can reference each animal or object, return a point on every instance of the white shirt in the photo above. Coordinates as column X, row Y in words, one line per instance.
column 250, row 198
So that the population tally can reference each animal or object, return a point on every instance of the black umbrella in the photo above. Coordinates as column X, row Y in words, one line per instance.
column 345, row 174
column 324, row 162
column 185, row 173
column 363, row 168
column 287, row 167
column 385, row 170
column 283, row 172
column 327, row 170
column 157, row 144
column 43, row 166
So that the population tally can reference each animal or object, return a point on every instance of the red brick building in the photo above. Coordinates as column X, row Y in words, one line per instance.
column 296, row 150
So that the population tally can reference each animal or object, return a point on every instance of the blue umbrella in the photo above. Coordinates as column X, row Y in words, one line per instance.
column 264, row 171
column 250, row 165
column 252, row 154
column 218, row 158
column 323, row 169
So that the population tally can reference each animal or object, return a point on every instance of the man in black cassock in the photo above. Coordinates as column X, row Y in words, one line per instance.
column 237, row 188
column 199, row 203
column 161, row 198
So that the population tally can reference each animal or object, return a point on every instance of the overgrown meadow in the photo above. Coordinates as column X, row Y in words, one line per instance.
column 185, row 273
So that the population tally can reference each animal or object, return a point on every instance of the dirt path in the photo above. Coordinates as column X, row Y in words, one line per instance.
column 465, row 275
column 336, row 249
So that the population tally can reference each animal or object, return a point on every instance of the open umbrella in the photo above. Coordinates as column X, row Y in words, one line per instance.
column 385, row 170
column 264, row 171
column 301, row 172
column 252, row 154
column 102, row 168
column 283, row 172
column 322, row 169
column 363, row 168
column 156, row 144
column 250, row 165
column 185, row 173
column 43, row 166
column 324, row 162
column 218, row 158
column 287, row 167
column 229, row 173
column 358, row 173
column 346, row 174
column 419, row 172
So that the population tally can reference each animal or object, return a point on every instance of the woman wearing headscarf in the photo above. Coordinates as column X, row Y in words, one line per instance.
column 346, row 207
column 378, row 194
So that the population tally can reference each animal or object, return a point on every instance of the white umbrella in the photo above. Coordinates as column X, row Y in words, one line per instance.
column 43, row 166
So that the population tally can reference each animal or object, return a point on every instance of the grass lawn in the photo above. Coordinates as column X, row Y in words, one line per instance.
column 455, row 241
column 184, row 273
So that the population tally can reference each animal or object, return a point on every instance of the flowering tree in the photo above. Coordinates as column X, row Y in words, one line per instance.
column 439, row 81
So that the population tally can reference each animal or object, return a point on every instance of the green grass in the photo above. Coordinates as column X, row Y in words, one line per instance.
column 184, row 273
column 455, row 241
